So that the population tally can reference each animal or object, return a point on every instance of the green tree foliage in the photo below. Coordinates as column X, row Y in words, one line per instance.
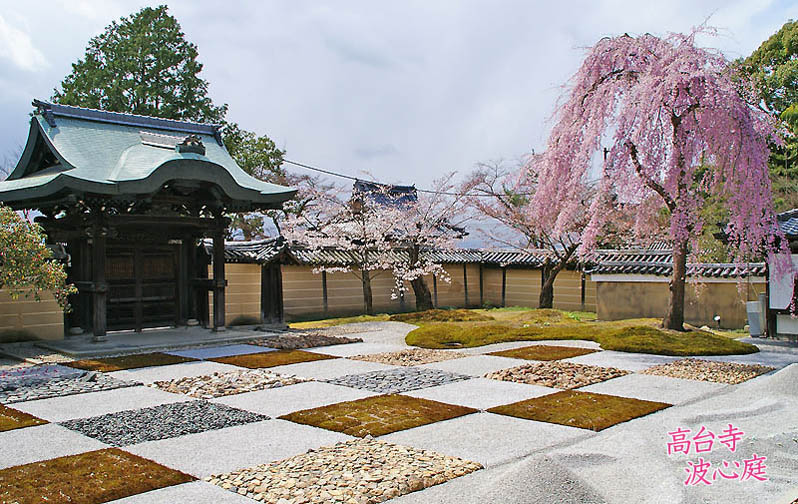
column 773, row 68
column 26, row 264
column 141, row 64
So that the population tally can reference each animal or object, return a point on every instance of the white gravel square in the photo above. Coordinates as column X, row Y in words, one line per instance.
column 655, row 388
column 476, row 365
column 481, row 393
column 42, row 442
column 350, row 349
column 196, row 492
column 485, row 437
column 329, row 368
column 225, row 450
column 219, row 351
column 58, row 409
column 283, row 400
column 172, row 371
column 622, row 360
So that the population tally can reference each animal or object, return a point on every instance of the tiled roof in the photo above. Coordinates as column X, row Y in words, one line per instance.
column 660, row 263
column 788, row 222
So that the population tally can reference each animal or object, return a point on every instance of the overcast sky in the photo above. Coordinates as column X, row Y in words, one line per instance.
column 404, row 90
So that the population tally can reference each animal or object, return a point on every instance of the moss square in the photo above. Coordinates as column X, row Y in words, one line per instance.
column 272, row 359
column 544, row 352
column 378, row 415
column 11, row 419
column 88, row 478
column 586, row 410
column 109, row 364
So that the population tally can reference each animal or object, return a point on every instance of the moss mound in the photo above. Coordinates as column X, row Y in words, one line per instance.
column 436, row 315
column 640, row 339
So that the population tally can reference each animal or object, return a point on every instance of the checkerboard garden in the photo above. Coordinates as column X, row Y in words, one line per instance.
column 352, row 422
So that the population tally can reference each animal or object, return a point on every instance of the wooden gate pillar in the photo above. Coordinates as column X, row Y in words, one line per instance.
column 100, row 286
column 219, row 282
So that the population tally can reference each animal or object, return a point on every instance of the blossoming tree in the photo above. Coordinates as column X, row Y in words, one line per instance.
column 679, row 126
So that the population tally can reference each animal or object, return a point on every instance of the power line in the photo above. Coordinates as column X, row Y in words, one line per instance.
column 349, row 177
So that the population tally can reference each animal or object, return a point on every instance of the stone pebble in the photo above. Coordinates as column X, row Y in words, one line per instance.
column 303, row 340
column 363, row 471
column 410, row 357
column 394, row 381
column 711, row 371
column 227, row 383
column 557, row 374
column 166, row 421
column 84, row 382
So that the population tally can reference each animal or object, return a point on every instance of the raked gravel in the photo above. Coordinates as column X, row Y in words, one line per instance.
column 362, row 471
column 410, row 357
column 712, row 371
column 395, row 381
column 225, row 384
column 563, row 375
column 161, row 422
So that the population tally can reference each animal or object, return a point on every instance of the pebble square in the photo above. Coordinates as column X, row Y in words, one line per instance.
column 379, row 415
column 57, row 387
column 87, row 478
column 160, row 422
column 586, row 410
column 223, row 450
column 557, row 374
column 711, row 371
column 219, row 351
column 359, row 471
column 481, row 393
column 272, row 358
column 410, row 356
column 229, row 383
column 394, row 381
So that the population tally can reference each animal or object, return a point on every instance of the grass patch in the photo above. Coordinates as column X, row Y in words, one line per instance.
column 11, row 419
column 88, row 478
column 331, row 322
column 128, row 362
column 272, row 359
column 585, row 410
column 454, row 315
column 378, row 415
column 544, row 352
column 611, row 336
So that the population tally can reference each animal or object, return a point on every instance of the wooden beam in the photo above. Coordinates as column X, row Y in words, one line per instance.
column 324, row 299
column 504, row 286
column 465, row 284
column 583, row 291
column 100, row 291
column 219, row 281
column 435, row 290
column 481, row 284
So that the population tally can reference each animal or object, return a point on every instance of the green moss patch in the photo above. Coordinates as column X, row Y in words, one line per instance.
column 585, row 410
column 11, row 419
column 272, row 359
column 128, row 362
column 544, row 352
column 87, row 478
column 378, row 415
column 641, row 338
column 425, row 317
column 332, row 322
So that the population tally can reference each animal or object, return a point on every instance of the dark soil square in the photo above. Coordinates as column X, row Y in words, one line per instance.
column 128, row 362
column 161, row 422
column 585, row 410
column 272, row 359
column 378, row 415
column 11, row 419
column 544, row 352
column 87, row 478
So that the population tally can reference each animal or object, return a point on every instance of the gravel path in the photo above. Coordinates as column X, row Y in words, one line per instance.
column 363, row 471
column 225, row 384
column 410, row 357
column 161, row 422
column 394, row 381
column 563, row 375
column 712, row 371
column 30, row 352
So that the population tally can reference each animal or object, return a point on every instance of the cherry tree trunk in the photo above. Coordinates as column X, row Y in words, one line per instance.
column 368, row 305
column 546, row 299
column 674, row 319
column 423, row 296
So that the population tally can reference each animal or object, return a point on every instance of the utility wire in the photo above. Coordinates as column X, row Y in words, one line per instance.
column 427, row 191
